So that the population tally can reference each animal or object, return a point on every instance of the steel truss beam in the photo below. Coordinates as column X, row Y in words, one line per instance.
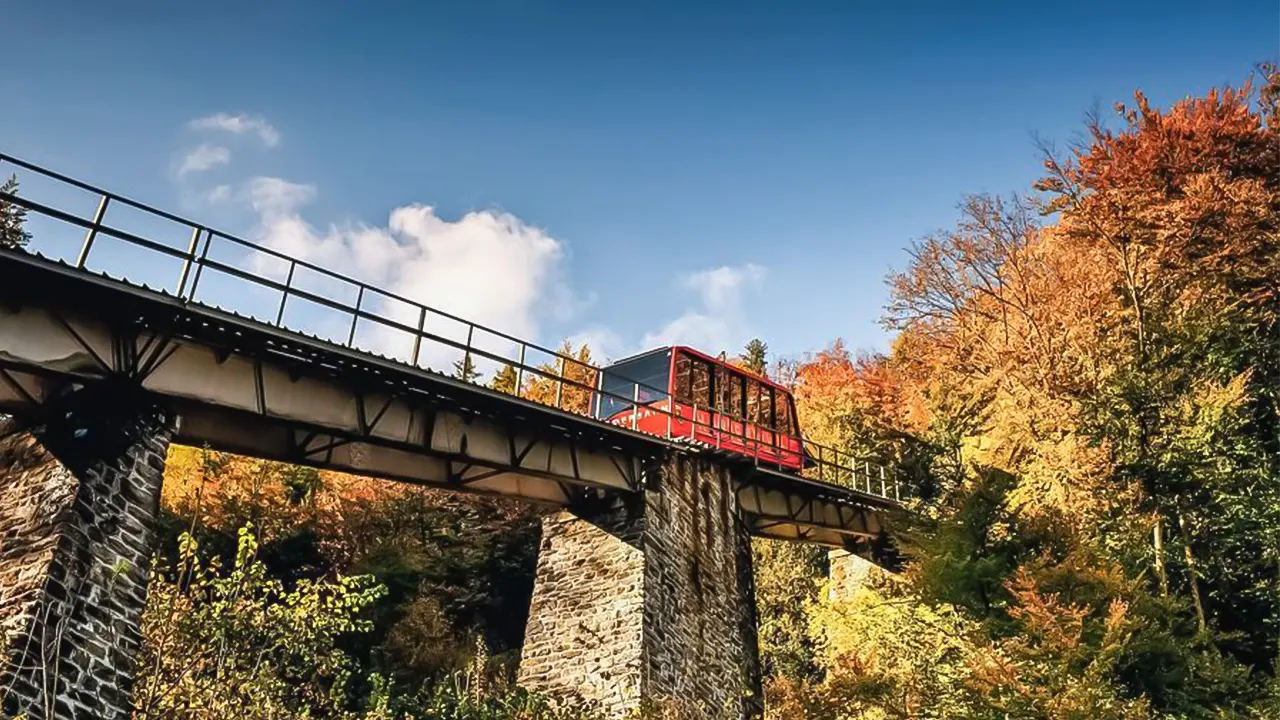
column 797, row 512
column 237, row 402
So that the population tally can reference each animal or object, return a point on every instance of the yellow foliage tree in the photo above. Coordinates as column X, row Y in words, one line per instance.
column 567, row 381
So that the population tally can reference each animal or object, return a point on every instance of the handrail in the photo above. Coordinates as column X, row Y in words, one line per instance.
column 822, row 459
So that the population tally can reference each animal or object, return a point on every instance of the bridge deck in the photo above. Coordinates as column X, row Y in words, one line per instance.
column 249, row 386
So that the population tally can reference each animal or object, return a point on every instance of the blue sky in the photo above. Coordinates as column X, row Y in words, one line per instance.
column 634, row 172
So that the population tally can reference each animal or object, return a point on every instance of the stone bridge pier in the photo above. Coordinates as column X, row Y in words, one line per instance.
column 79, row 498
column 648, row 599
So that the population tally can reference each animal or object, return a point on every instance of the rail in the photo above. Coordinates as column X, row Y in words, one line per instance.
column 561, row 381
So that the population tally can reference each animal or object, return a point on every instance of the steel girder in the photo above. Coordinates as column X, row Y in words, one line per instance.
column 788, row 508
column 244, row 386
column 245, row 404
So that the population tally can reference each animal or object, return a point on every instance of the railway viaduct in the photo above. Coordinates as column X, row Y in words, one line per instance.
column 644, row 580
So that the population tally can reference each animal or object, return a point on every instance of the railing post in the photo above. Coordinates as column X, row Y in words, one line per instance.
column 883, row 491
column 560, row 382
column 417, row 339
column 635, row 404
column 671, row 410
column 284, row 296
column 204, row 254
column 821, row 464
column 693, row 423
column 186, row 262
column 520, row 370
column 93, row 231
column 466, row 355
column 355, row 317
column 777, row 449
column 773, row 442
column 595, row 411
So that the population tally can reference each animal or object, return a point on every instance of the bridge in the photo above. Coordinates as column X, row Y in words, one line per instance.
column 125, row 328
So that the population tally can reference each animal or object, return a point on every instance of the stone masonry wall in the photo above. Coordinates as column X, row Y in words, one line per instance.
column 36, row 493
column 650, row 602
column 77, row 529
column 847, row 573
column 700, row 622
column 584, row 636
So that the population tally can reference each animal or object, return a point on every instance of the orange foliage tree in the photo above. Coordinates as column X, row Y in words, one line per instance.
column 573, row 394
column 1097, row 370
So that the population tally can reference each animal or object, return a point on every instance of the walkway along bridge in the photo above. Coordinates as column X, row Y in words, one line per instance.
column 644, row 581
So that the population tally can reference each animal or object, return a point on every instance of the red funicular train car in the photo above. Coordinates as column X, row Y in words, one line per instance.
column 681, row 393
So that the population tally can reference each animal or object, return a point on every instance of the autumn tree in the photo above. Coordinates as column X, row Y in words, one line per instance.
column 566, row 382
column 243, row 644
column 236, row 641
column 1092, row 373
column 454, row 567
column 852, row 404
column 1182, row 205
column 504, row 381
column 787, row 580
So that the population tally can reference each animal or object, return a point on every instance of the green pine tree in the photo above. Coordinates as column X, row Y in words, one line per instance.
column 465, row 369
column 754, row 356
column 12, row 218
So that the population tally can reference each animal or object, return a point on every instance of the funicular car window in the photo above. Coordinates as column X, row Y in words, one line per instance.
column 683, row 379
column 726, row 401
column 785, row 426
column 766, row 406
column 693, row 381
column 700, row 374
column 618, row 383
column 753, row 402
column 738, row 396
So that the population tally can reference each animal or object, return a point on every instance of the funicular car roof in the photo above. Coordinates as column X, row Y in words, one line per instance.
column 703, row 356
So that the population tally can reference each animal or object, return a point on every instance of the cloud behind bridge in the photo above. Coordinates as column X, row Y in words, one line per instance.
column 203, row 157
column 717, row 321
column 487, row 266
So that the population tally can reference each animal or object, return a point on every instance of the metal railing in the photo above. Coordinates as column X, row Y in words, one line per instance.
column 564, row 382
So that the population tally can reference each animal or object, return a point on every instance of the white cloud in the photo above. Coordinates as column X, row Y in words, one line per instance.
column 203, row 157
column 272, row 197
column 718, row 321
column 512, row 270
column 218, row 194
column 239, row 124
column 606, row 345
column 486, row 266
column 721, row 288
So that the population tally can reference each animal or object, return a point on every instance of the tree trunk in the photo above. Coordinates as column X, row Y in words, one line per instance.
column 1157, row 535
column 1192, row 572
